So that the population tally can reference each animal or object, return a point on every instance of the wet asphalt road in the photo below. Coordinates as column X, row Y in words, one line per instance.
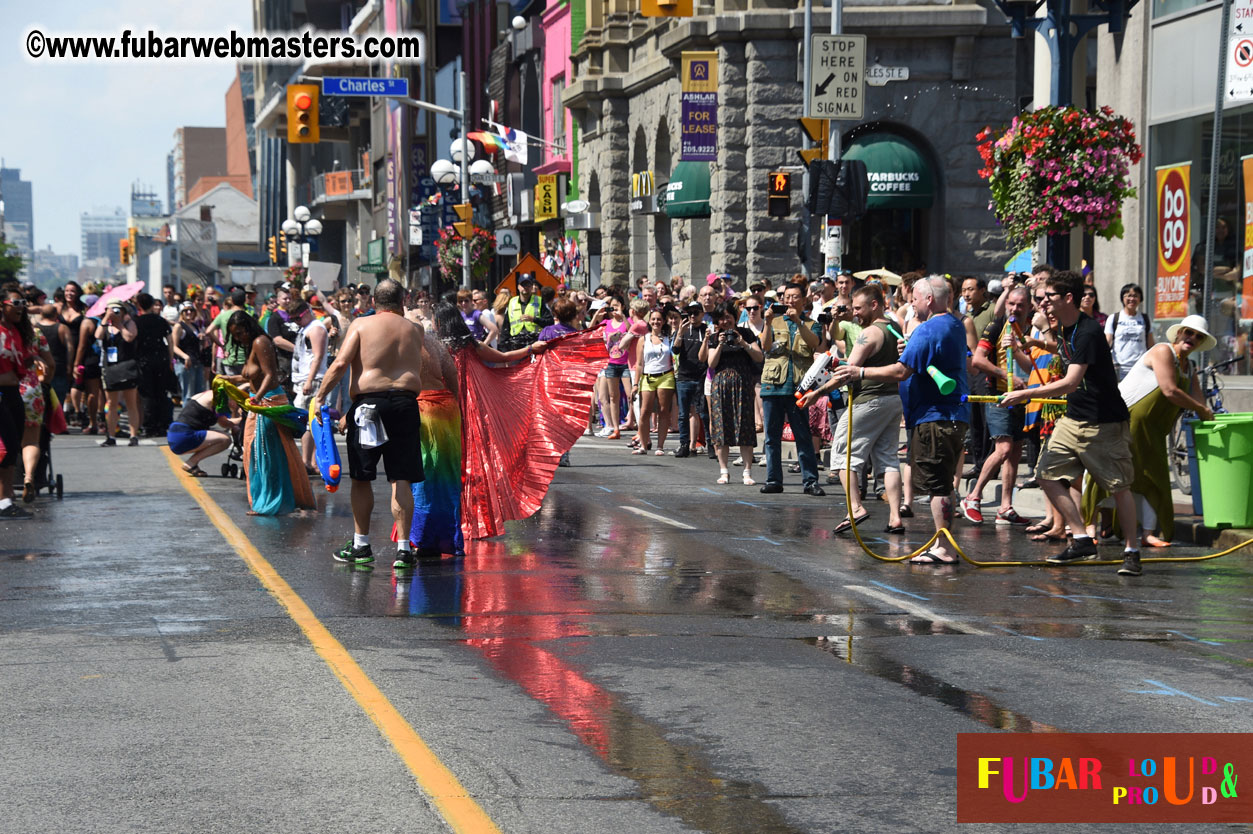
column 650, row 653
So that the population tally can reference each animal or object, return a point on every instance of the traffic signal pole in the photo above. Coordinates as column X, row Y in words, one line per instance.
column 460, row 117
column 835, row 254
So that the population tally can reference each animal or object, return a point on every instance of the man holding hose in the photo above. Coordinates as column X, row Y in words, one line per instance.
column 1001, row 351
column 876, row 410
column 933, row 370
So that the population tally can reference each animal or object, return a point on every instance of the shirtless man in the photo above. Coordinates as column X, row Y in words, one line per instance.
column 385, row 354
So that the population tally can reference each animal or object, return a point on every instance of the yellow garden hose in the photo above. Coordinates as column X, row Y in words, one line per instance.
column 848, row 459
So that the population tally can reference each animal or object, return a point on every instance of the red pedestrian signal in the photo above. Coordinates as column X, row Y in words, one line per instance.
column 780, row 202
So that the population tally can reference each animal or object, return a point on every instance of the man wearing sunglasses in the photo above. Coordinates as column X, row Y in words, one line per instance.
column 1095, row 434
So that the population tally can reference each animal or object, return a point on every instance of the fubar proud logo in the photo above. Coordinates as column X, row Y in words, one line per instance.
column 1104, row 777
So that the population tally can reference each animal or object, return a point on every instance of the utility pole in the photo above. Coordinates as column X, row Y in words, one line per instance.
column 835, row 243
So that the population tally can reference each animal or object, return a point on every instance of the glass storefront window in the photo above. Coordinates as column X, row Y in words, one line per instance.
column 1230, row 309
column 1161, row 8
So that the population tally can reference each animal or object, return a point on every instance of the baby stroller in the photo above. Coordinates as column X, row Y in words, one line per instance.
column 44, row 477
column 232, row 469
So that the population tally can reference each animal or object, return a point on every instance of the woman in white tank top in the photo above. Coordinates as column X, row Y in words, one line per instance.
column 655, row 358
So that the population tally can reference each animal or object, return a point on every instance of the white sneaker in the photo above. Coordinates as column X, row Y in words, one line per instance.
column 738, row 462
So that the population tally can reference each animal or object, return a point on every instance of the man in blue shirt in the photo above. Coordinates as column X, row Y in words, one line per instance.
column 789, row 342
column 936, row 422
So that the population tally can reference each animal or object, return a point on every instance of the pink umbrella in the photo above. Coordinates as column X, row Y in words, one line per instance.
column 122, row 292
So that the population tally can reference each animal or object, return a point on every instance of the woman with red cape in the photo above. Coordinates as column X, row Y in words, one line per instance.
column 516, row 421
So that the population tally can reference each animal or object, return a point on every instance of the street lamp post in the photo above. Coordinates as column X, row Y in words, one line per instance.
column 1062, row 30
column 301, row 227
column 449, row 172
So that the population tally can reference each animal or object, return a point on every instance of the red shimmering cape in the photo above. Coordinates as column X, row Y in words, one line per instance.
column 517, row 422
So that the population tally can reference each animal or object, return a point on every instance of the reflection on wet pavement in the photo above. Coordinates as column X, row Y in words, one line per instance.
column 676, row 779
column 974, row 704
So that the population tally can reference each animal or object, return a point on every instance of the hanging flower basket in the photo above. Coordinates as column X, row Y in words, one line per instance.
column 482, row 250
column 1057, row 168
column 296, row 276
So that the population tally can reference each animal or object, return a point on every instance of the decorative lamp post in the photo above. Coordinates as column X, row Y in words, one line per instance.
column 301, row 228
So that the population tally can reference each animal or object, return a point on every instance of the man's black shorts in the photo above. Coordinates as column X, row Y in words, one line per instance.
column 402, row 453
column 934, row 448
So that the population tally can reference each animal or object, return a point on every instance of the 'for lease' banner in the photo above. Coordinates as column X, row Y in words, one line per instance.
column 699, row 107
column 1174, row 240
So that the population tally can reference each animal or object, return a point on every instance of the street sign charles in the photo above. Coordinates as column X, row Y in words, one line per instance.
column 837, row 77
column 345, row 86
column 878, row 75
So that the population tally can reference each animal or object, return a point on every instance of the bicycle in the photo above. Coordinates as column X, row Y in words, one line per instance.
column 1212, row 389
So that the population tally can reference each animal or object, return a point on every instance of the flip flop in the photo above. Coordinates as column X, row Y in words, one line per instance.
column 848, row 525
column 1047, row 537
column 1153, row 541
column 897, row 530
column 1037, row 528
column 931, row 558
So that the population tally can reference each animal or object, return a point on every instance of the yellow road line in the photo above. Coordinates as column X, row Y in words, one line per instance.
column 436, row 780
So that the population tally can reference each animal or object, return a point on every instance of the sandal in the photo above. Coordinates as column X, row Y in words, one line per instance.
column 847, row 524
column 661, row 453
column 194, row 471
column 639, row 451
column 930, row 557
column 1037, row 528
column 28, row 492
column 1047, row 537
column 898, row 530
column 723, row 478
column 906, row 511
column 748, row 479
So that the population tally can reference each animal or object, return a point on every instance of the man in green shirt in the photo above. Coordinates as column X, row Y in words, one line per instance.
column 233, row 356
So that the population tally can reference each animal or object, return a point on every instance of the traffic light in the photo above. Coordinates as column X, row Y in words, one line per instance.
column 667, row 8
column 273, row 249
column 124, row 251
column 282, row 243
column 780, row 202
column 818, row 130
column 302, row 113
column 465, row 212
column 132, row 235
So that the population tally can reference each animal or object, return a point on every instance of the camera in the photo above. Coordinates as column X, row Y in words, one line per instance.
column 778, row 309
column 730, row 336
column 825, row 318
column 842, row 310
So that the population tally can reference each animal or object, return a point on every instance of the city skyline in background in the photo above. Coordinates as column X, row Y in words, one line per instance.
column 128, row 113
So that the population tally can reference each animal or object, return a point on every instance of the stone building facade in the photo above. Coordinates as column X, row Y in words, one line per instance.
column 965, row 72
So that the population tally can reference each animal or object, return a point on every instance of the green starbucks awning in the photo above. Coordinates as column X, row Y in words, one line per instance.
column 900, row 177
column 687, row 195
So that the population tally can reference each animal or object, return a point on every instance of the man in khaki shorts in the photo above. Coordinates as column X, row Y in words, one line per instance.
column 1095, row 434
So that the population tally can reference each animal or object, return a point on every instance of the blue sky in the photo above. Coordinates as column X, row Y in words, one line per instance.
column 82, row 133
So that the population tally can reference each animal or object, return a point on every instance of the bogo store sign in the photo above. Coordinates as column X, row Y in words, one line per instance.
column 1174, row 240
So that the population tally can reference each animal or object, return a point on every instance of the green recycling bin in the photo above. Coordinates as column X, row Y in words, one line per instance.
column 1224, row 453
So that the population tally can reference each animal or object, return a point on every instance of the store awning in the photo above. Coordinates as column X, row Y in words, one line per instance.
column 900, row 177
column 687, row 194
